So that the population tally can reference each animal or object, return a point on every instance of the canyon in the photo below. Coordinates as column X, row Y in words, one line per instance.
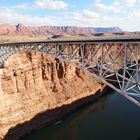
column 21, row 29
column 37, row 89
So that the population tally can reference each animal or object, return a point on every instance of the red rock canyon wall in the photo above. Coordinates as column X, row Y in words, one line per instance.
column 32, row 83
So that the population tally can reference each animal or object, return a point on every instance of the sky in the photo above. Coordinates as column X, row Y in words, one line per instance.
column 86, row 13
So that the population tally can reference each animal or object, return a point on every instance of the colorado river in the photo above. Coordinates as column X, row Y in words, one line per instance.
column 110, row 118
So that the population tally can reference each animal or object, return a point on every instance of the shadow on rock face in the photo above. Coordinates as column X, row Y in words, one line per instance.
column 49, row 116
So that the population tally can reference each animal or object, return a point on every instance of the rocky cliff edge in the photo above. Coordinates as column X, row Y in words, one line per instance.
column 31, row 83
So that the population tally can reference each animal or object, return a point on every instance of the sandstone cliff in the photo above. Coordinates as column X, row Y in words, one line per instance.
column 33, row 83
column 20, row 29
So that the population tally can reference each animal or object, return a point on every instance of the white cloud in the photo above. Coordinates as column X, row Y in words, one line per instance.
column 125, row 3
column 102, row 8
column 129, row 21
column 10, row 16
column 21, row 6
column 90, row 14
column 99, row 7
column 115, row 7
column 132, row 21
column 50, row 4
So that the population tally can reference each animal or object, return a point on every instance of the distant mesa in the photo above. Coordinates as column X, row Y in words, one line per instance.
column 21, row 29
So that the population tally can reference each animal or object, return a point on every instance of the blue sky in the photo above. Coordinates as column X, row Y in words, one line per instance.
column 95, row 13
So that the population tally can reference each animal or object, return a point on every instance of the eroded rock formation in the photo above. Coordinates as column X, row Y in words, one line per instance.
column 20, row 29
column 34, row 83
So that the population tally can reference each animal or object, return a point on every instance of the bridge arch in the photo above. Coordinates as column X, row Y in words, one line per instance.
column 103, row 57
column 7, row 51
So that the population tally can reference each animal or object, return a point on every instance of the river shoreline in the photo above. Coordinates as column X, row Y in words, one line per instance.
column 52, row 116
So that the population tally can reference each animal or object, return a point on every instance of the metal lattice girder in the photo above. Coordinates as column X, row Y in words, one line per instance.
column 115, row 61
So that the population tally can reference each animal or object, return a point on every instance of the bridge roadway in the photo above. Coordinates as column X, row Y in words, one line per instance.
column 114, row 60
column 115, row 38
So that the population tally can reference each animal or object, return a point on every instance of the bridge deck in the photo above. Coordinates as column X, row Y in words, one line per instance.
column 115, row 38
column 120, row 64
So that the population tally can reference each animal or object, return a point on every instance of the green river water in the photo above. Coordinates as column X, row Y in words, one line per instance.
column 112, row 117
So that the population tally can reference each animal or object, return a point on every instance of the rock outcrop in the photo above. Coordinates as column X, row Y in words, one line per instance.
column 34, row 83
column 20, row 29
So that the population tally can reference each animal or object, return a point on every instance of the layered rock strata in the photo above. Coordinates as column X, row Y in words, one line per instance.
column 34, row 84
column 20, row 29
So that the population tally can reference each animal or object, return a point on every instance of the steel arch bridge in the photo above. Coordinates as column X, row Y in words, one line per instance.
column 115, row 61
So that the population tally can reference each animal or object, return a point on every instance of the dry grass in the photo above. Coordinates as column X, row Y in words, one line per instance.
column 5, row 39
column 21, row 38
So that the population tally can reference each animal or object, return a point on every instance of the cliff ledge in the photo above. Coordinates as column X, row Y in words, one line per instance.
column 33, row 83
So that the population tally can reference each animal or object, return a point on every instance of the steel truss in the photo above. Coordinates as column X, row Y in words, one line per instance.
column 115, row 63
